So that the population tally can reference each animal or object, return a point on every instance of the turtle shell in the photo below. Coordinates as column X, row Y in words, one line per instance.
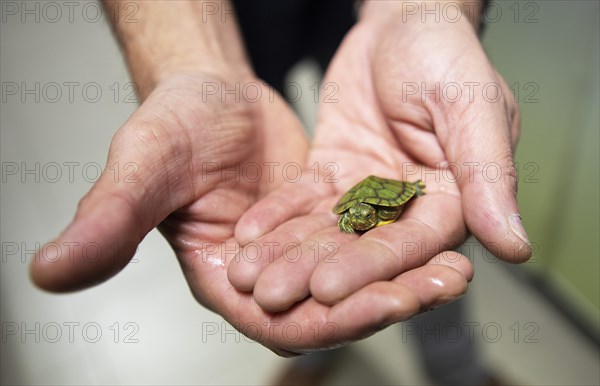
column 377, row 191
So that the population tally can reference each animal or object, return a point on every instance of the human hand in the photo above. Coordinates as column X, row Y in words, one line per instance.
column 376, row 127
column 190, row 146
column 188, row 149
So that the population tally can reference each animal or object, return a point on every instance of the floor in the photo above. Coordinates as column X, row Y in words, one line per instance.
column 143, row 326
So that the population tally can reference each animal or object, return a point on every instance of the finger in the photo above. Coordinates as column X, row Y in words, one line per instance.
column 481, row 143
column 285, row 333
column 244, row 270
column 381, row 304
column 442, row 280
column 456, row 261
column 309, row 325
column 294, row 199
column 130, row 198
column 373, row 308
column 98, row 243
column 303, row 328
column 431, row 224
column 286, row 281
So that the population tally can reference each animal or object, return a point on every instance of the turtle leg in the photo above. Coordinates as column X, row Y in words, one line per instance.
column 344, row 223
column 388, row 215
column 420, row 188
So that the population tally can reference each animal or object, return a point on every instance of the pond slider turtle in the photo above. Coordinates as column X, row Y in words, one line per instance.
column 375, row 201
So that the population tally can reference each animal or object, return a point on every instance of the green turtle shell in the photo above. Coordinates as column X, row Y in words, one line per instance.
column 379, row 191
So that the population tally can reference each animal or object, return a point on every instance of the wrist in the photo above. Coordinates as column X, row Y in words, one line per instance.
column 426, row 12
column 166, row 38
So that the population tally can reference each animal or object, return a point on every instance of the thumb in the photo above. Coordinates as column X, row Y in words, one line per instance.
column 481, row 148
column 111, row 219
column 97, row 244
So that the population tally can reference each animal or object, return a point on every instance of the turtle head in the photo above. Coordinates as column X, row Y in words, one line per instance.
column 363, row 217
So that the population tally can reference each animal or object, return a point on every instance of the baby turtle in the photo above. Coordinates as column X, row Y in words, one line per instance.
column 375, row 201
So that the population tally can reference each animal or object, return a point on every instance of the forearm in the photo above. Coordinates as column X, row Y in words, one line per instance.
column 167, row 37
column 429, row 11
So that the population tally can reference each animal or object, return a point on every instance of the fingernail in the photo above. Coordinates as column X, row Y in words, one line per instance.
column 517, row 227
column 443, row 301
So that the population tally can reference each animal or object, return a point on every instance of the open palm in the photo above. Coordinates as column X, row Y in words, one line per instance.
column 377, row 127
column 354, row 138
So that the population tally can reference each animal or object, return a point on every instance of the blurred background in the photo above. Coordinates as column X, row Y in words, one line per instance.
column 65, row 91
